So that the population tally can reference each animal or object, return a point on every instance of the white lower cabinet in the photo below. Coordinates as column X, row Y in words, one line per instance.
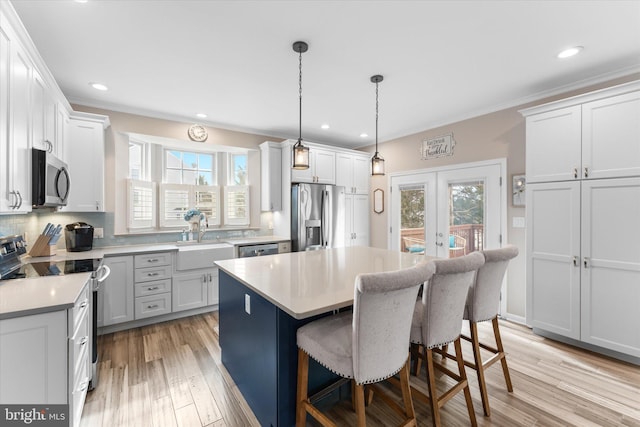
column 153, row 286
column 115, row 296
column 583, row 268
column 190, row 290
column 46, row 358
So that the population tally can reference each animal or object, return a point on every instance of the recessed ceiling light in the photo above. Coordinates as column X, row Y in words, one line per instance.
column 201, row 115
column 572, row 51
column 81, row 1
column 363, row 135
column 325, row 126
column 98, row 86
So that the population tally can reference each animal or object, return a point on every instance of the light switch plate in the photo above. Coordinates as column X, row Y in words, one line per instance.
column 98, row 233
column 518, row 222
column 247, row 303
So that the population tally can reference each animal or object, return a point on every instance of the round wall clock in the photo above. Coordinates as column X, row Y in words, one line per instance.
column 197, row 133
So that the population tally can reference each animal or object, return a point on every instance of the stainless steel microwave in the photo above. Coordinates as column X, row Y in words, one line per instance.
column 49, row 180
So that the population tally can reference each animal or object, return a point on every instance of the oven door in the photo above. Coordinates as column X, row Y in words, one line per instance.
column 101, row 275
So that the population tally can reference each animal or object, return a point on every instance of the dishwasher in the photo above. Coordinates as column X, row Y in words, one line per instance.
column 246, row 251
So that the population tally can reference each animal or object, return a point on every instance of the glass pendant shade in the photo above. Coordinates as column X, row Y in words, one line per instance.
column 377, row 165
column 300, row 156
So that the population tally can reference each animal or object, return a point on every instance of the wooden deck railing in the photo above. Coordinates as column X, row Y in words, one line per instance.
column 472, row 233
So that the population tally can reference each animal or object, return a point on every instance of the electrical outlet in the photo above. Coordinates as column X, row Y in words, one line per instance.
column 247, row 303
column 98, row 233
column 519, row 222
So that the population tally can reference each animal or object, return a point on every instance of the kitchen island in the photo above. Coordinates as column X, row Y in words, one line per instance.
column 264, row 300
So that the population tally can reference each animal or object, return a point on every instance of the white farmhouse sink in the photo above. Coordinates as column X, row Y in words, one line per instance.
column 202, row 255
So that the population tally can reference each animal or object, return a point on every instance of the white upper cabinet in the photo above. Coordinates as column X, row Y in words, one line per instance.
column 84, row 154
column 322, row 168
column 43, row 110
column 352, row 172
column 554, row 145
column 15, row 116
column 271, row 176
column 611, row 137
column 596, row 135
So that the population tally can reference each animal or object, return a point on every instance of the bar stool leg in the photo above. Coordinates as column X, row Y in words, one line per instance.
column 503, row 357
column 475, row 342
column 303, row 379
column 433, row 394
column 359, row 397
column 463, row 377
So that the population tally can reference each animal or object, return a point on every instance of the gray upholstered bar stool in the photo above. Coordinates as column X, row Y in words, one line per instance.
column 437, row 321
column 482, row 305
column 367, row 346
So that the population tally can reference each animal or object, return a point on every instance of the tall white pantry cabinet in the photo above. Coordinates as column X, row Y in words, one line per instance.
column 583, row 208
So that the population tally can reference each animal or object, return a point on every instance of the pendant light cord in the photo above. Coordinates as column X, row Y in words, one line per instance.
column 300, row 96
column 376, row 117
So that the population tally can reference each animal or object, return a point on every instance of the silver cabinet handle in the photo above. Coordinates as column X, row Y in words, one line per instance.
column 84, row 340
column 152, row 306
column 97, row 205
column 586, row 172
column 586, row 262
column 20, row 200
column 15, row 204
column 83, row 304
column 210, row 277
column 575, row 172
column 575, row 261
column 152, row 288
column 152, row 274
column 152, row 260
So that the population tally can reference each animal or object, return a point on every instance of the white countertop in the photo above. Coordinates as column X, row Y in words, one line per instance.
column 256, row 240
column 304, row 284
column 23, row 297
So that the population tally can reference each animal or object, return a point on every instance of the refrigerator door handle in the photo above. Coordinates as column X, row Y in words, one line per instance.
column 325, row 217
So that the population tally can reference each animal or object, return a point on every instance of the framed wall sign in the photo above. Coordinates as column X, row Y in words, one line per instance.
column 518, row 187
column 378, row 200
column 441, row 146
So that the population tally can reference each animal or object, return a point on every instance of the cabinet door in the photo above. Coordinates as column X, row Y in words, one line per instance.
column 324, row 166
column 360, row 220
column 553, row 260
column 348, row 213
column 43, row 115
column 611, row 264
column 5, row 80
column 85, row 156
column 117, row 291
column 62, row 131
column 212, row 287
column 554, row 145
column 361, row 174
column 271, row 171
column 189, row 291
column 611, row 137
column 33, row 351
column 344, row 172
column 19, row 169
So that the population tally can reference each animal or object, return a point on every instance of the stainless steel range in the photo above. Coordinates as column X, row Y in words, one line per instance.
column 12, row 267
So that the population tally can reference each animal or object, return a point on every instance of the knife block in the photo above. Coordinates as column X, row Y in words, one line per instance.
column 42, row 248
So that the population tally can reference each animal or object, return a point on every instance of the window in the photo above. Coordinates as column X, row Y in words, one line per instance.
column 176, row 199
column 165, row 182
column 237, row 169
column 183, row 167
column 142, row 204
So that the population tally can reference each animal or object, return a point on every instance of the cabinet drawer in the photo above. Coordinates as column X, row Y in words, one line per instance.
column 79, row 392
column 152, row 260
column 152, row 273
column 152, row 288
column 80, row 309
column 79, row 343
column 153, row 305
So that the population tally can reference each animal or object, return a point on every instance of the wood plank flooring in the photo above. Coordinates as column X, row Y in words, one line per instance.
column 170, row 374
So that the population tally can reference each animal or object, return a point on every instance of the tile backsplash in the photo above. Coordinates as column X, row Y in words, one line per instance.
column 31, row 225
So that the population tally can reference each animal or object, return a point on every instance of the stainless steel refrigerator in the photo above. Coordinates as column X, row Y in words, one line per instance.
column 317, row 217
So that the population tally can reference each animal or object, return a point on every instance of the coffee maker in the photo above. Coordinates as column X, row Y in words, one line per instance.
column 78, row 237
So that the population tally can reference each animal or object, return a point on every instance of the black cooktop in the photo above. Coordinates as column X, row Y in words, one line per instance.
column 57, row 268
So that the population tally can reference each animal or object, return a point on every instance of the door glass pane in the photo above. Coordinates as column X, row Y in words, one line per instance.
column 412, row 210
column 466, row 218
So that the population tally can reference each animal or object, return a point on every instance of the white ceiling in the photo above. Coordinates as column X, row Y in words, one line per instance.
column 442, row 61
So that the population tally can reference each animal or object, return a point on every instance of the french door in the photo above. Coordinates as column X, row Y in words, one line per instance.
column 448, row 212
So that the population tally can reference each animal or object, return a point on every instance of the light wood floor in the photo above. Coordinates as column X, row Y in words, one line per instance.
column 170, row 374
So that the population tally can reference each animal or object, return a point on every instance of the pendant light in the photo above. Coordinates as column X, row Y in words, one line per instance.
column 300, row 152
column 377, row 162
